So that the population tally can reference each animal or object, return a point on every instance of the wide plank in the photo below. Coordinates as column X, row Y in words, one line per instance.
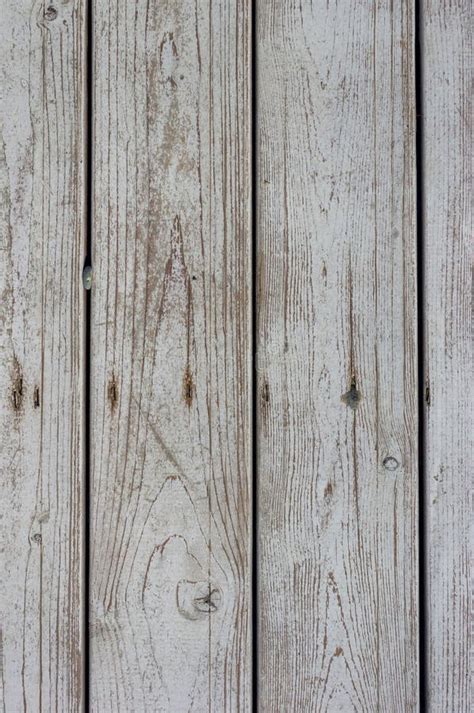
column 446, row 35
column 41, row 355
column 171, row 357
column 337, row 425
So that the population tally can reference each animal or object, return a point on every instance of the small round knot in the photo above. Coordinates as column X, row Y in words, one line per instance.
column 37, row 538
column 352, row 397
column 390, row 463
column 50, row 13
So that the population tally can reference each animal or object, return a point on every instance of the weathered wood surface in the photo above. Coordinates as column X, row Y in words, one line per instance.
column 337, row 369
column 447, row 150
column 171, row 351
column 41, row 356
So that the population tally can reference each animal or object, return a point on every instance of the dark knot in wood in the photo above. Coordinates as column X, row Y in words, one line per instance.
column 196, row 600
column 352, row 397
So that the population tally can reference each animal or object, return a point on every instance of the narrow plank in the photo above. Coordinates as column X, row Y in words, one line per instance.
column 447, row 151
column 41, row 355
column 171, row 356
column 336, row 341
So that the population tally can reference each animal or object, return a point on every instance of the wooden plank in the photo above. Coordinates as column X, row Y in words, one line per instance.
column 41, row 356
column 171, row 351
column 447, row 151
column 336, row 340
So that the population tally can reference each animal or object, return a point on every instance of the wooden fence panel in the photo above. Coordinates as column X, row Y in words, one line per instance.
column 446, row 32
column 171, row 388
column 337, row 368
column 41, row 356
column 171, row 357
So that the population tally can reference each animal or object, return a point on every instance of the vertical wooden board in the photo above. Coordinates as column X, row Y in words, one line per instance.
column 41, row 355
column 446, row 32
column 171, row 353
column 336, row 340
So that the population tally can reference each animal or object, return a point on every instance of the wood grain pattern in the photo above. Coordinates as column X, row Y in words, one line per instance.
column 41, row 355
column 447, row 132
column 337, row 374
column 171, row 355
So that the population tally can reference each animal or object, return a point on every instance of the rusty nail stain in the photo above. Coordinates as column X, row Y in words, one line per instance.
column 328, row 490
column 188, row 387
column 112, row 392
column 338, row 651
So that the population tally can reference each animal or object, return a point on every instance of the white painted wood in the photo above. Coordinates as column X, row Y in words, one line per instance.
column 41, row 356
column 337, row 369
column 171, row 354
column 447, row 150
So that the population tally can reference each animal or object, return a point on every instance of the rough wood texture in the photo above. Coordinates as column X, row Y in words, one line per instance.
column 337, row 375
column 171, row 356
column 41, row 362
column 447, row 150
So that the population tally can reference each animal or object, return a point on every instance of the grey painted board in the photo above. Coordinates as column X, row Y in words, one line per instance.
column 171, row 358
column 337, row 357
column 41, row 356
column 449, row 446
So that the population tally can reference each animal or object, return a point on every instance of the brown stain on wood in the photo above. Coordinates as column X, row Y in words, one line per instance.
column 36, row 397
column 112, row 393
column 188, row 387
